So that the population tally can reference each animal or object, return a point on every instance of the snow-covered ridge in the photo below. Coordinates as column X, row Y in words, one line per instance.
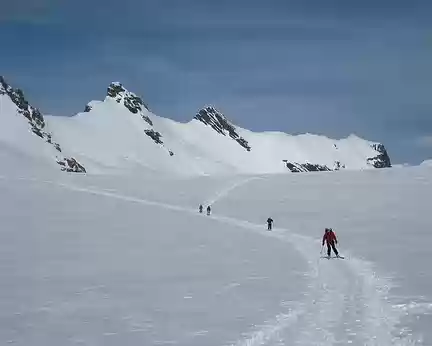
column 33, row 115
column 135, row 105
column 17, row 96
column 120, row 132
column 131, row 101
column 13, row 101
column 212, row 117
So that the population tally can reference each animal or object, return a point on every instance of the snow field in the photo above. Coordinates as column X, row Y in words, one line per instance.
column 83, row 268
column 98, row 260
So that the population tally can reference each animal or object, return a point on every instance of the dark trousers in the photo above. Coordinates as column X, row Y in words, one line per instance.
column 331, row 245
column 269, row 226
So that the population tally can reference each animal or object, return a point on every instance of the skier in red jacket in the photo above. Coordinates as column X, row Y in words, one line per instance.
column 331, row 240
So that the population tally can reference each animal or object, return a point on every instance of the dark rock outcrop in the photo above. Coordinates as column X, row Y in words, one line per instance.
column 32, row 114
column 131, row 101
column 212, row 117
column 156, row 136
column 115, row 89
column 71, row 165
column 305, row 167
column 338, row 166
column 382, row 159
column 35, row 120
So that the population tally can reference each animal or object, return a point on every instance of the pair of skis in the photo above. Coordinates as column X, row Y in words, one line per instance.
column 329, row 257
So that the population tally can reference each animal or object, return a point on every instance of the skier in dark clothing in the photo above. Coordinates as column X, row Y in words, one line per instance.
column 201, row 208
column 269, row 223
column 208, row 210
column 331, row 240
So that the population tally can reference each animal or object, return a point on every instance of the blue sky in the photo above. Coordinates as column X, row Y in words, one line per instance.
column 331, row 67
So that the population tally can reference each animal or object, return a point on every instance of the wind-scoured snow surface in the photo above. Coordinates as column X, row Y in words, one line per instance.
column 128, row 260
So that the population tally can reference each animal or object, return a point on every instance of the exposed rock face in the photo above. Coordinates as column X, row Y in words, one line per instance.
column 337, row 165
column 382, row 160
column 32, row 114
column 35, row 119
column 71, row 165
column 305, row 167
column 131, row 101
column 156, row 136
column 212, row 117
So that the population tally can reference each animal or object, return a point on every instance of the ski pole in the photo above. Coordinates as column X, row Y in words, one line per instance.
column 322, row 247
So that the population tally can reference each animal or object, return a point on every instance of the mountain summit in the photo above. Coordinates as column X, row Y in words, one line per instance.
column 131, row 101
column 121, row 133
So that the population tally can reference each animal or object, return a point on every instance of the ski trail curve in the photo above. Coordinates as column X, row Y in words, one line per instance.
column 348, row 305
column 337, row 289
column 345, row 303
column 352, row 289
column 223, row 193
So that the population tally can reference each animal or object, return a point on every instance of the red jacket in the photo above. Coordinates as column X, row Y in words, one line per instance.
column 329, row 237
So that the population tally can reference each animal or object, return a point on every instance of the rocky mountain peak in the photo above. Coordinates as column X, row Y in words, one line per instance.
column 131, row 101
column 210, row 116
column 382, row 159
column 135, row 105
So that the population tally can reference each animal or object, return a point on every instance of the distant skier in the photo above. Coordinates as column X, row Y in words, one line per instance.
column 208, row 210
column 331, row 240
column 201, row 208
column 269, row 223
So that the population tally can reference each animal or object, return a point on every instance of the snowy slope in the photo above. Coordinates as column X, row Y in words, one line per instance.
column 16, row 132
column 112, row 136
column 120, row 132
column 427, row 163
column 24, row 132
column 109, row 260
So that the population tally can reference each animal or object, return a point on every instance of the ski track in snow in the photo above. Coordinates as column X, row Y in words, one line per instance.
column 222, row 193
column 346, row 302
